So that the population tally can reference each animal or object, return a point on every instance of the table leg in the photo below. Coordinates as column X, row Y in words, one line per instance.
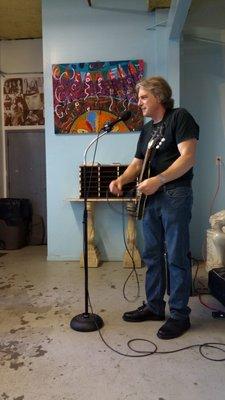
column 131, row 241
column 93, row 252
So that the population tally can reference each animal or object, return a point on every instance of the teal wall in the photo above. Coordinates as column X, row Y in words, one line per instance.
column 74, row 32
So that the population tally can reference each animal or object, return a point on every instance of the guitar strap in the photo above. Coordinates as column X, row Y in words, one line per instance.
column 145, row 173
column 160, row 129
column 162, row 124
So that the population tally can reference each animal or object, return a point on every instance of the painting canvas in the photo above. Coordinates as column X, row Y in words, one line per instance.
column 89, row 95
column 23, row 102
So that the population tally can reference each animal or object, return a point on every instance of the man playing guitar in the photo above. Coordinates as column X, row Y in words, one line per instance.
column 168, row 205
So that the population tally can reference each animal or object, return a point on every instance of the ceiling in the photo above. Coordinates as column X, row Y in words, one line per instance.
column 206, row 20
column 20, row 19
column 207, row 13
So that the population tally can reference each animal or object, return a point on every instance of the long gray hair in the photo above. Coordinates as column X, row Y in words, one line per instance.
column 158, row 87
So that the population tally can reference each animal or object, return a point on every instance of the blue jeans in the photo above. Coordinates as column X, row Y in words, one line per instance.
column 166, row 230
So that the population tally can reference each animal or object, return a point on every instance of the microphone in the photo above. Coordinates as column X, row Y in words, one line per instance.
column 123, row 117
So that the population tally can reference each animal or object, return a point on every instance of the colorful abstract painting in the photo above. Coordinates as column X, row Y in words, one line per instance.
column 89, row 95
column 23, row 102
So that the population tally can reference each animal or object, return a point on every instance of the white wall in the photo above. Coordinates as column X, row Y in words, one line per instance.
column 21, row 56
column 74, row 32
column 203, row 93
column 16, row 56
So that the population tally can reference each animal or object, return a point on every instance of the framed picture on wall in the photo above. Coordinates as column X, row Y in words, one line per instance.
column 23, row 102
column 88, row 95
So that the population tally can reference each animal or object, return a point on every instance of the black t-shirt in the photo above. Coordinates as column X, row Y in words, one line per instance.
column 179, row 126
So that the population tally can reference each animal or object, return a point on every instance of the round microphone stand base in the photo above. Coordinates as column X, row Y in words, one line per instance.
column 86, row 322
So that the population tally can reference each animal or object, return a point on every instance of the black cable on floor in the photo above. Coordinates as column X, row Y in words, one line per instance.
column 146, row 353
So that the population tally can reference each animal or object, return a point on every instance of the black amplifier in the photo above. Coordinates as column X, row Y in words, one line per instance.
column 216, row 283
column 95, row 179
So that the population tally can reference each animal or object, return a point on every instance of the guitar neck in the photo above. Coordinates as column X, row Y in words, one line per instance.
column 145, row 168
column 145, row 173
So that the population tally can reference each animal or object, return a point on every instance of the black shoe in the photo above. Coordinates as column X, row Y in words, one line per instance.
column 173, row 328
column 142, row 313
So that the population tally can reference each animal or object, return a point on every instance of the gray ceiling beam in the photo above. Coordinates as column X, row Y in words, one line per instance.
column 177, row 17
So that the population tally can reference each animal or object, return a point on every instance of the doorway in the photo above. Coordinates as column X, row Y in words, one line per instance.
column 26, row 169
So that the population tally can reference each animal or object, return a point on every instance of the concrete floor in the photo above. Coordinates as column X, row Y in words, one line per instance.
column 43, row 358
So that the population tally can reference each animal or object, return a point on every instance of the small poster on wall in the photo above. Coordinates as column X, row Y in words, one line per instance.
column 23, row 102
column 89, row 95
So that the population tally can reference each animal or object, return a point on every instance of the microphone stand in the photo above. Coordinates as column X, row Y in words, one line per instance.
column 87, row 322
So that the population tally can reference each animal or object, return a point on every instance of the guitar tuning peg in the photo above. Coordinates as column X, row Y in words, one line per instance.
column 158, row 146
column 163, row 139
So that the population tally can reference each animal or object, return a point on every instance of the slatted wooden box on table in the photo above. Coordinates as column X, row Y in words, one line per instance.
column 95, row 179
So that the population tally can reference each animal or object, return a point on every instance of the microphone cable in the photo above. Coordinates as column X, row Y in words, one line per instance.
column 134, row 270
column 137, row 353
column 130, row 253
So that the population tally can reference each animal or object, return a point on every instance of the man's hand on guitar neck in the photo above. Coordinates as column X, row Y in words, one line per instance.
column 149, row 186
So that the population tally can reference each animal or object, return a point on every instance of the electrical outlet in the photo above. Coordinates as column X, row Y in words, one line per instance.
column 218, row 160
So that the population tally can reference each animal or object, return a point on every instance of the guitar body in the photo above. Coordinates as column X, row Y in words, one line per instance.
column 141, row 206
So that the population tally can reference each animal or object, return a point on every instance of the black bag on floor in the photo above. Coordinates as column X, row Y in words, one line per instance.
column 15, row 219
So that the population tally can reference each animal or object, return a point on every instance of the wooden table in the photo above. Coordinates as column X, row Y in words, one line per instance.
column 94, row 256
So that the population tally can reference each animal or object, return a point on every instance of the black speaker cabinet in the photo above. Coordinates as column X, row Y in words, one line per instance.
column 216, row 283
column 95, row 179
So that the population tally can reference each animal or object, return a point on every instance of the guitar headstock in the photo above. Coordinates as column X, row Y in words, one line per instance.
column 156, row 141
column 162, row 140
